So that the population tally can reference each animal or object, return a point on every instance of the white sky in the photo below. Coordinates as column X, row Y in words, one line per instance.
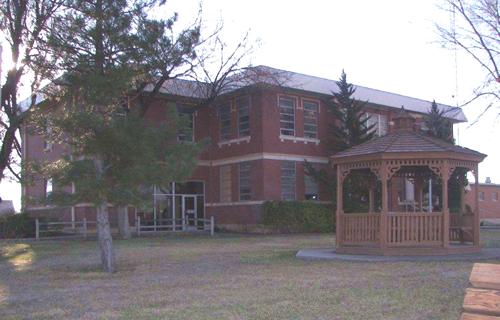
column 386, row 45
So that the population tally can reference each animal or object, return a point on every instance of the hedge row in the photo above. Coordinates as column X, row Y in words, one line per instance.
column 298, row 216
column 17, row 226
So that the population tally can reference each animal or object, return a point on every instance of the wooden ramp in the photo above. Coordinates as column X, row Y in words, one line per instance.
column 482, row 301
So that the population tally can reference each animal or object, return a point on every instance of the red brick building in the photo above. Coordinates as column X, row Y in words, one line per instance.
column 260, row 135
column 489, row 203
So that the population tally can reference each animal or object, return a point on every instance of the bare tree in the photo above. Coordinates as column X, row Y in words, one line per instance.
column 24, row 24
column 475, row 30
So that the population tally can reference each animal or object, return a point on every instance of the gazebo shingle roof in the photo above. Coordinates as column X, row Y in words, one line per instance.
column 402, row 141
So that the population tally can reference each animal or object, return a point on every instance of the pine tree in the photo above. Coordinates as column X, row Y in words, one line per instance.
column 438, row 125
column 351, row 127
column 108, row 51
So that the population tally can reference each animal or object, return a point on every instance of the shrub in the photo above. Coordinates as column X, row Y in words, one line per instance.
column 298, row 216
column 17, row 226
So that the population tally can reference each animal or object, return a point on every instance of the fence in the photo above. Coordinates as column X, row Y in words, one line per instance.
column 62, row 229
column 172, row 225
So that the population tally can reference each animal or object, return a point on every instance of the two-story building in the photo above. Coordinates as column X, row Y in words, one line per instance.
column 489, row 201
column 260, row 136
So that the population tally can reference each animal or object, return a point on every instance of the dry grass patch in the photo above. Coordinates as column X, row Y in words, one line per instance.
column 224, row 277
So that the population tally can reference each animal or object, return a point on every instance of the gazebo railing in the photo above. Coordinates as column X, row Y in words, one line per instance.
column 421, row 228
column 361, row 228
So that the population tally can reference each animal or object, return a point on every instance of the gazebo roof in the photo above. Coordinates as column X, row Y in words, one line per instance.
column 405, row 141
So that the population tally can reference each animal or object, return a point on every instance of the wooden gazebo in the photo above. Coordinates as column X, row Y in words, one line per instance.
column 398, row 226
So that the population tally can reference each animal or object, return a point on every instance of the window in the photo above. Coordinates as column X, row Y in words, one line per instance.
column 186, row 132
column 48, row 187
column 47, row 139
column 225, row 183
column 287, row 115
column 380, row 122
column 225, row 121
column 243, row 106
column 481, row 195
column 245, row 181
column 311, row 187
column 311, row 110
column 288, row 180
column 494, row 196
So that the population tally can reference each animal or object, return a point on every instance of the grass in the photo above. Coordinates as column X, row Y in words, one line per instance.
column 224, row 277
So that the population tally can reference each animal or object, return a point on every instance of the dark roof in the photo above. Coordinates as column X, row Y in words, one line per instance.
column 402, row 141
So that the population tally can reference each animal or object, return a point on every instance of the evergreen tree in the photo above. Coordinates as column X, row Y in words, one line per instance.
column 349, row 129
column 438, row 124
column 109, row 50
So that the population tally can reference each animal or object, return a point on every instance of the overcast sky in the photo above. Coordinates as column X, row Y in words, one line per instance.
column 386, row 45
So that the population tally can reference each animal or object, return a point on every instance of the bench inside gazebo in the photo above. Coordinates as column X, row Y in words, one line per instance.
column 408, row 176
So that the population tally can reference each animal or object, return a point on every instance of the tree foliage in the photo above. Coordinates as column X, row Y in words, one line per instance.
column 107, row 53
column 349, row 129
column 438, row 124
column 25, row 27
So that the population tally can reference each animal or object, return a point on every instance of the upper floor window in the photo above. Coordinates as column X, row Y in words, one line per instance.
column 494, row 196
column 287, row 115
column 379, row 121
column 186, row 130
column 288, row 180
column 225, row 121
column 225, row 183
column 243, row 107
column 47, row 139
column 311, row 110
column 481, row 195
column 245, row 181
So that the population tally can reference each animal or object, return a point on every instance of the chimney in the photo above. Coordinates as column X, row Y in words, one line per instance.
column 488, row 180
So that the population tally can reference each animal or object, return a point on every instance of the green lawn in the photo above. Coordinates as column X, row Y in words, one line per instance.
column 224, row 277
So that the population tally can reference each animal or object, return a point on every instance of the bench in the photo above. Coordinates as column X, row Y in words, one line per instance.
column 482, row 301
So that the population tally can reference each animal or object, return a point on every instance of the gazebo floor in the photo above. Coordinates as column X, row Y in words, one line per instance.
column 410, row 250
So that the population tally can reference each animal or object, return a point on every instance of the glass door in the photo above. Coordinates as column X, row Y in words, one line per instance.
column 189, row 212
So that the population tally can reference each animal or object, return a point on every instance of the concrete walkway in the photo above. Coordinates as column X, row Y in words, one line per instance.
column 330, row 254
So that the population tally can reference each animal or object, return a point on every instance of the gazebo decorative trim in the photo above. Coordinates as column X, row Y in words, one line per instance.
column 410, row 233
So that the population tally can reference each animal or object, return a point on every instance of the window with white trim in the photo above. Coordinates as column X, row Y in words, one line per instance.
column 311, row 111
column 243, row 107
column 481, row 195
column 287, row 115
column 380, row 122
column 225, row 121
column 47, row 139
column 494, row 196
column 288, row 180
column 245, row 181
column 186, row 115
column 225, row 183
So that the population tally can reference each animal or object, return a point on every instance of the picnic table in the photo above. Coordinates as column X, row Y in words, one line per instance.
column 482, row 301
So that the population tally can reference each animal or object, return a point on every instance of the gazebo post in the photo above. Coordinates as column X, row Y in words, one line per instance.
column 476, row 209
column 385, row 206
column 338, row 224
column 371, row 195
column 444, row 206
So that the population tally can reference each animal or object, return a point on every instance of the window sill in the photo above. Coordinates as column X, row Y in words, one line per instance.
column 234, row 141
column 299, row 139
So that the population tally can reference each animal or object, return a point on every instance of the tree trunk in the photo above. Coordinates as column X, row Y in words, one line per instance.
column 105, row 239
column 123, row 223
